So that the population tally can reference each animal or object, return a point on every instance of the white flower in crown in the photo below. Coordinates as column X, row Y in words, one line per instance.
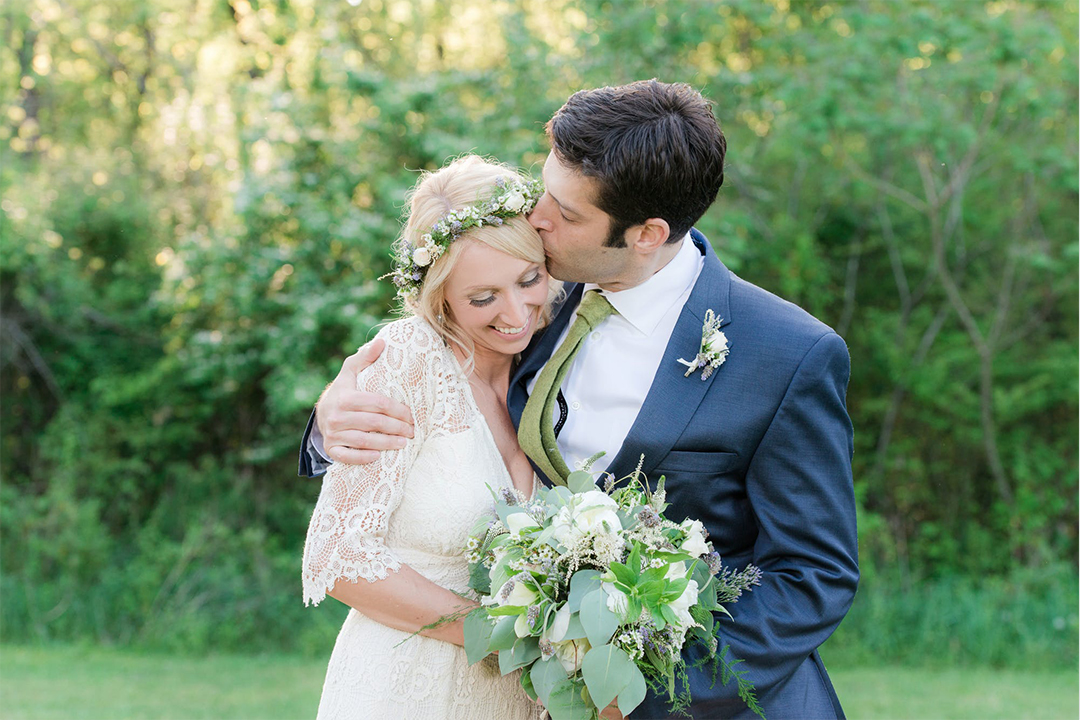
column 514, row 201
column 421, row 256
column 713, row 350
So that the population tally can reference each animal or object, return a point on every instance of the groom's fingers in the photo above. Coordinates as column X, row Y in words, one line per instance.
column 343, row 408
column 376, row 413
column 355, row 447
column 358, row 440
column 363, row 357
column 349, row 456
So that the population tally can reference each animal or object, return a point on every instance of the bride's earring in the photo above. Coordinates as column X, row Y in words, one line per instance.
column 439, row 318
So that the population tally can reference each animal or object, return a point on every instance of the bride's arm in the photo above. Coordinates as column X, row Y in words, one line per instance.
column 408, row 601
column 345, row 555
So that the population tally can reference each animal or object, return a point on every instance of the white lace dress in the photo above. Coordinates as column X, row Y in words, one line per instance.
column 414, row 506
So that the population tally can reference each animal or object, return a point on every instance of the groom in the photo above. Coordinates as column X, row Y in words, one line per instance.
column 759, row 449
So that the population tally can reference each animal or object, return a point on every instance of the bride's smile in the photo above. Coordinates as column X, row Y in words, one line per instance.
column 495, row 298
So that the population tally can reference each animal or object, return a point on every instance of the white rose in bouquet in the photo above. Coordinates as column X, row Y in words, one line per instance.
column 694, row 544
column 516, row 522
column 570, row 654
column 586, row 512
column 559, row 625
column 675, row 571
column 681, row 605
column 515, row 592
column 617, row 602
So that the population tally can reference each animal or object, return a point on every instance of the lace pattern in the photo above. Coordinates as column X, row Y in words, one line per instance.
column 346, row 536
column 414, row 506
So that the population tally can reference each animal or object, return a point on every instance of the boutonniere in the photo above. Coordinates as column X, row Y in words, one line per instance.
column 713, row 351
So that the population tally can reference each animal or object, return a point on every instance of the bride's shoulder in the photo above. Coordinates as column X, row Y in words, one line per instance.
column 411, row 339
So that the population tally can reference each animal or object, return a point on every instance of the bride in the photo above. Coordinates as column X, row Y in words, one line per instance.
column 388, row 538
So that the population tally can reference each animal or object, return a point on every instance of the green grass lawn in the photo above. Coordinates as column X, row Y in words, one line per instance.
column 71, row 683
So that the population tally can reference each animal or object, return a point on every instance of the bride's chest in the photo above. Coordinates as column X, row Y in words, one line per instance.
column 448, row 487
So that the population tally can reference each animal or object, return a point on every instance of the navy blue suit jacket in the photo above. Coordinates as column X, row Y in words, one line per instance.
column 761, row 454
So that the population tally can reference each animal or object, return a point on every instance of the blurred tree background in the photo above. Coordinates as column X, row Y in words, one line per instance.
column 199, row 197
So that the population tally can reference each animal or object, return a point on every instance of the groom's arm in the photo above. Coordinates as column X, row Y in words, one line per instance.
column 799, row 484
column 352, row 426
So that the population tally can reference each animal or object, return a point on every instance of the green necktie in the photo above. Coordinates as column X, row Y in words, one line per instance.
column 536, row 431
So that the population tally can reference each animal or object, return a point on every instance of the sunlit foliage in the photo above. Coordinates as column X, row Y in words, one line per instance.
column 199, row 197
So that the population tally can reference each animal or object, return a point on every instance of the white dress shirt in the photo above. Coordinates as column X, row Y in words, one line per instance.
column 614, row 369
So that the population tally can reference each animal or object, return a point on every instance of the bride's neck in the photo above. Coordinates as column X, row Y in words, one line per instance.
column 491, row 369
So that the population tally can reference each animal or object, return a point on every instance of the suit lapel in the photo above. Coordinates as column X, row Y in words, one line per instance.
column 674, row 398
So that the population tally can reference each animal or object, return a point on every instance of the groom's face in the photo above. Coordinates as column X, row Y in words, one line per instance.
column 574, row 229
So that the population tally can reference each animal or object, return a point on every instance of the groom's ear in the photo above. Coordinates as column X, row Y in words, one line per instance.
column 650, row 235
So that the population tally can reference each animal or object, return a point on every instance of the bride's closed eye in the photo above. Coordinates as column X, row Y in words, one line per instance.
column 481, row 302
column 531, row 281
column 535, row 278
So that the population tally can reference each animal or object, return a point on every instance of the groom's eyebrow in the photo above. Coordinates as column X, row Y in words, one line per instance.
column 564, row 206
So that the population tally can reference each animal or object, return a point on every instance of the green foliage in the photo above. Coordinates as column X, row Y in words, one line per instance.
column 198, row 200
column 1027, row 619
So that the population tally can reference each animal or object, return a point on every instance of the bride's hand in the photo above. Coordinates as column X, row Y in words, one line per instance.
column 611, row 712
column 357, row 425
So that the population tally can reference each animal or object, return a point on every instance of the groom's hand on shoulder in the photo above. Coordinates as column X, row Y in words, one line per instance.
column 357, row 425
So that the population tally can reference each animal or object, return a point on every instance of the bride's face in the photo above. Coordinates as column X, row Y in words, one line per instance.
column 496, row 298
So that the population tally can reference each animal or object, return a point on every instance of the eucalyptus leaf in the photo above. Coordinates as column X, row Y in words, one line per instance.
column 478, row 630
column 566, row 703
column 479, row 578
column 559, row 496
column 523, row 652
column 502, row 571
column 634, row 692
column 606, row 670
column 582, row 582
column 546, row 674
column 580, row 481
column 575, row 630
column 701, row 574
column 503, row 636
column 526, row 683
column 707, row 595
column 504, row 511
column 599, row 622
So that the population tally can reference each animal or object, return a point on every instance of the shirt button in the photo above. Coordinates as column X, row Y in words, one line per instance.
column 575, row 405
column 595, row 336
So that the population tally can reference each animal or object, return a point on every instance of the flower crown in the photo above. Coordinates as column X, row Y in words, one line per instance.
column 511, row 196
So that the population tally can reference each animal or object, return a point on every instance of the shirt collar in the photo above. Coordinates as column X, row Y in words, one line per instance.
column 645, row 305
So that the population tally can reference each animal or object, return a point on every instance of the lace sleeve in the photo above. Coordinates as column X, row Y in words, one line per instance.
column 345, row 537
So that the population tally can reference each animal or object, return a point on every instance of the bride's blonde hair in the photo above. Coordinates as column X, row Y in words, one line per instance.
column 463, row 182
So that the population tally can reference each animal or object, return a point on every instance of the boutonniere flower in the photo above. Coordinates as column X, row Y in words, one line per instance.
column 713, row 351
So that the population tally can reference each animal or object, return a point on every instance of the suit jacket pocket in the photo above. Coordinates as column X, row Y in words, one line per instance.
column 713, row 463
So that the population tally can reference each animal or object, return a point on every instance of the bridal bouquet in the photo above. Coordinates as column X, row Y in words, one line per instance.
column 594, row 594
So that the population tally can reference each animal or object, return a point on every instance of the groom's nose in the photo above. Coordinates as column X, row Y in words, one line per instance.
column 538, row 218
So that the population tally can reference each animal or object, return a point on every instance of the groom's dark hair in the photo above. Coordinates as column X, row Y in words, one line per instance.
column 655, row 148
